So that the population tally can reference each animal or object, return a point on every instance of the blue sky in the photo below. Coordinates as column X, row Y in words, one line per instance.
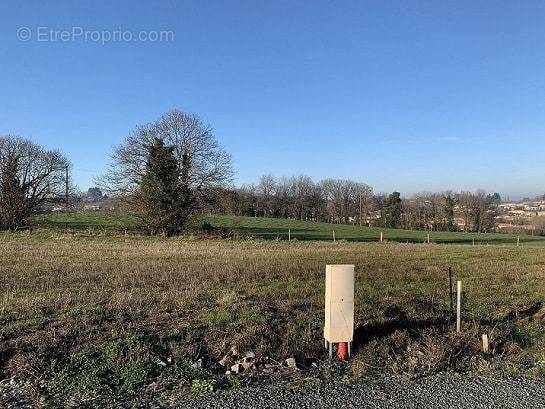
column 408, row 96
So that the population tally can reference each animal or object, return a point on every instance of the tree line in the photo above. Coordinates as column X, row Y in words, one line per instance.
column 349, row 202
column 171, row 169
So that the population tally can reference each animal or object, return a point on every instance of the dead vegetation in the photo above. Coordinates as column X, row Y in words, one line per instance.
column 95, row 315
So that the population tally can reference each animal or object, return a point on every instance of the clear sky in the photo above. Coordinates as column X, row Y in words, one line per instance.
column 407, row 95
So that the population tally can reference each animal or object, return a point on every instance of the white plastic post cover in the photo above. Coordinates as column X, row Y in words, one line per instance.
column 339, row 303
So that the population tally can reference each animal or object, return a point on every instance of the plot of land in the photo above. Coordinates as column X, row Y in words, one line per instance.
column 116, row 314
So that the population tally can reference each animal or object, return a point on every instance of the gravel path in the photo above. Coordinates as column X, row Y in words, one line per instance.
column 439, row 391
column 430, row 392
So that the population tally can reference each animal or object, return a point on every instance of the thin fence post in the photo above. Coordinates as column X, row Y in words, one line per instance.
column 518, row 241
column 289, row 234
column 428, row 238
column 458, row 306
column 451, row 293
column 486, row 344
column 334, row 236
column 381, row 236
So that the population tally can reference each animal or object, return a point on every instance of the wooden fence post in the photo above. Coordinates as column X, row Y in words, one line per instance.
column 451, row 292
column 486, row 344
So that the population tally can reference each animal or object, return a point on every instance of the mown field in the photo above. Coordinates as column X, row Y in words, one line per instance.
column 277, row 229
column 85, row 313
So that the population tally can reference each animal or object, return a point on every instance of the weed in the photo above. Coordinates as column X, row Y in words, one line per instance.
column 203, row 385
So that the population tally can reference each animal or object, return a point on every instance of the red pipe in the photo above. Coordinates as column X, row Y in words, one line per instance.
column 342, row 351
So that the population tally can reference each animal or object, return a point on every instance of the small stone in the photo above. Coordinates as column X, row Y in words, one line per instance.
column 247, row 365
column 249, row 355
column 290, row 362
column 236, row 368
column 226, row 360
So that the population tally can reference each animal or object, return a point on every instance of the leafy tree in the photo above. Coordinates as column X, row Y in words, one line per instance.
column 94, row 194
column 11, row 195
column 166, row 200
column 392, row 210
column 448, row 209
column 494, row 199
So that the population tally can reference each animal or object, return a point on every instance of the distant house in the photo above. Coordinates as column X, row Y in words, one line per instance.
column 91, row 207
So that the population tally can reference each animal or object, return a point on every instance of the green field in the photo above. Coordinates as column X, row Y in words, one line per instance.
column 83, row 220
column 88, row 310
column 277, row 229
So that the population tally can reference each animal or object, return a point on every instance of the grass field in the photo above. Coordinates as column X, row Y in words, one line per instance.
column 269, row 228
column 90, row 305
column 113, row 221
column 85, row 313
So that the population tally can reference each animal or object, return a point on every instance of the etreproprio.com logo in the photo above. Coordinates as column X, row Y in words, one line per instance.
column 48, row 34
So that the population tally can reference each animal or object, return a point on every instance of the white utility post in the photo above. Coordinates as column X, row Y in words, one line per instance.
column 289, row 234
column 333, row 235
column 381, row 236
column 458, row 306
column 339, row 305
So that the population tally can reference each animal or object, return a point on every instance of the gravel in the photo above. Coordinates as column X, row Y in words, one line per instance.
column 430, row 392
column 438, row 391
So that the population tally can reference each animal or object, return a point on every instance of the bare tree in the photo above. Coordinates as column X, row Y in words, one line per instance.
column 265, row 191
column 340, row 196
column 303, row 188
column 30, row 177
column 204, row 166
column 364, row 201
column 479, row 209
column 465, row 199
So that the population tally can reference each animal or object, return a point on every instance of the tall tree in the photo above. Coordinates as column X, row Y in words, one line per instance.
column 166, row 200
column 448, row 210
column 266, row 189
column 30, row 178
column 11, row 194
column 204, row 165
column 393, row 210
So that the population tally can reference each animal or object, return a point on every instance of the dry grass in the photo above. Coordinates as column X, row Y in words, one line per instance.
column 61, row 296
